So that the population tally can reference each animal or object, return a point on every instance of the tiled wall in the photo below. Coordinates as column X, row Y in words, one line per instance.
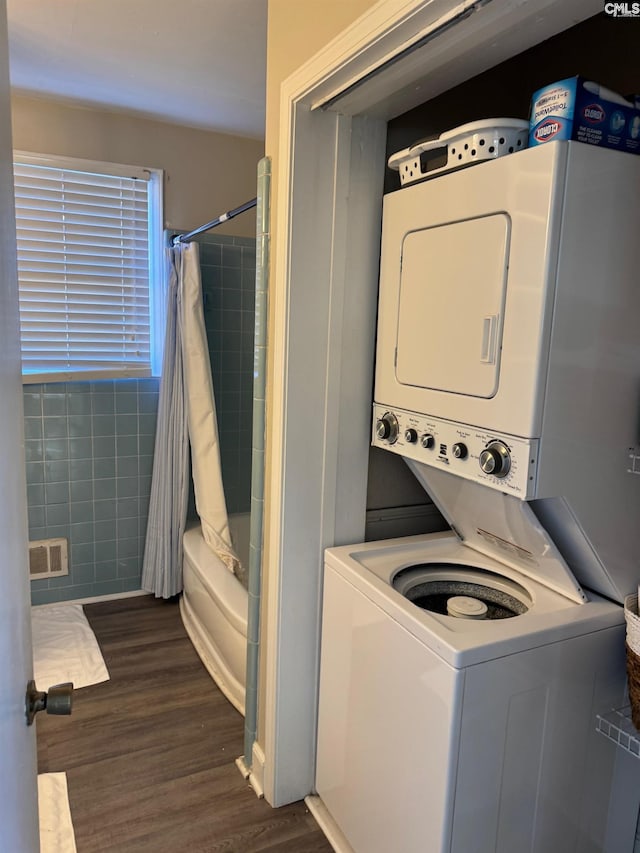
column 89, row 453
column 228, row 266
column 89, row 445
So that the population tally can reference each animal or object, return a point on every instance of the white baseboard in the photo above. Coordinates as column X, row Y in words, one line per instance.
column 327, row 824
column 255, row 774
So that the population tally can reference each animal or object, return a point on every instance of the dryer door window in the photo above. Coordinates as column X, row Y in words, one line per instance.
column 452, row 295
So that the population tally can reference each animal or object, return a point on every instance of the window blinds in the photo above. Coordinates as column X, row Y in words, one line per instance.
column 83, row 272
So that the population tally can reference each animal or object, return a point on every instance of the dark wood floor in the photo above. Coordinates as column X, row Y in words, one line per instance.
column 149, row 755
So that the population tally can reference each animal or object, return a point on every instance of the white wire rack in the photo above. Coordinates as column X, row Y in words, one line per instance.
column 617, row 726
column 634, row 460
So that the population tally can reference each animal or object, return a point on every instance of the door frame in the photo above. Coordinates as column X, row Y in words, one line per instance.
column 334, row 110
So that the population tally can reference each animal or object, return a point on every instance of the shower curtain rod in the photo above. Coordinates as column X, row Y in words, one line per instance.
column 184, row 238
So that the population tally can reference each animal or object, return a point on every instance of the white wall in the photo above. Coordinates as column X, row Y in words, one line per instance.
column 206, row 173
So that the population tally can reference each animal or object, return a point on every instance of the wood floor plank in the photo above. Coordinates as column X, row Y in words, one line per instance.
column 149, row 754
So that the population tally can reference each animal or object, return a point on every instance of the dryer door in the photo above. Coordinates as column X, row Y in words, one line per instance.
column 452, row 293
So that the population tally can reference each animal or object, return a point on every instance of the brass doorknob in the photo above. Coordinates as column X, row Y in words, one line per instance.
column 58, row 700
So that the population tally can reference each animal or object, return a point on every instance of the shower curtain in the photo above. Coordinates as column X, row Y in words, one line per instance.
column 186, row 417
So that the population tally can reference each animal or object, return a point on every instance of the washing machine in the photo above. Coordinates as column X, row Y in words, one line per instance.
column 461, row 673
column 458, row 696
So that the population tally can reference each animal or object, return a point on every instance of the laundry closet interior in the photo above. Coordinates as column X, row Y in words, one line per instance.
column 455, row 808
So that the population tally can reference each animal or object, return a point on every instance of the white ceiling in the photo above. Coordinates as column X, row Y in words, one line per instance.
column 195, row 62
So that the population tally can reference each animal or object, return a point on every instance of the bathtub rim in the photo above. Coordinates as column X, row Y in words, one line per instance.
column 212, row 658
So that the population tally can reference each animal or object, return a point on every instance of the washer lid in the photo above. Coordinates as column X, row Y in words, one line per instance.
column 500, row 526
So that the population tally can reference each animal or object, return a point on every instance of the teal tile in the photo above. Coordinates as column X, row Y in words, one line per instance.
column 81, row 490
column 81, row 532
column 127, row 487
column 107, row 587
column 127, row 548
column 127, row 466
column 133, row 583
column 126, row 425
column 147, row 403
column 79, row 426
column 79, row 403
column 210, row 254
column 57, row 513
column 104, row 446
column 231, row 341
column 103, row 404
column 32, row 404
column 104, row 489
column 56, row 493
column 80, row 448
column 35, row 472
column 54, row 404
column 36, row 516
column 106, row 550
column 44, row 596
column 37, row 533
column 126, row 386
column 232, row 320
column 106, row 570
column 129, row 567
column 231, row 257
column 58, row 531
column 84, row 573
column 127, row 528
column 127, row 445
column 56, row 471
column 127, row 508
column 104, row 468
column 105, row 386
column 150, row 385
column 146, row 445
column 33, row 429
column 104, row 425
column 231, row 298
column 144, row 485
column 147, row 424
column 81, row 512
column 231, row 362
column 80, row 469
column 55, row 428
column 104, row 510
column 127, row 404
column 83, row 553
column 55, row 449
column 105, row 530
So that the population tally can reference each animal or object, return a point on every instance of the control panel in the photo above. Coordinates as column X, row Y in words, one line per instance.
column 502, row 462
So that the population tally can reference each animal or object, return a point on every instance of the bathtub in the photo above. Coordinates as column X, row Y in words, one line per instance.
column 214, row 609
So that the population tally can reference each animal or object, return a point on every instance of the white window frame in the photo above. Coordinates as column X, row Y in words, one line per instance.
column 157, row 268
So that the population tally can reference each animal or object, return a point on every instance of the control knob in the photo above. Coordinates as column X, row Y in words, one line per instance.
column 410, row 436
column 387, row 428
column 495, row 459
column 459, row 450
column 427, row 441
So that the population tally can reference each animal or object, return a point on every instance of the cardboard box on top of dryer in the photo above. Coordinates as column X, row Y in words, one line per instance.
column 579, row 109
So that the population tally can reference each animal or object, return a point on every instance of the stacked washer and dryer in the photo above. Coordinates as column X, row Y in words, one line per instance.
column 461, row 672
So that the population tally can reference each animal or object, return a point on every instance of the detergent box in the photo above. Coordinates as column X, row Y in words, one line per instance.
column 576, row 108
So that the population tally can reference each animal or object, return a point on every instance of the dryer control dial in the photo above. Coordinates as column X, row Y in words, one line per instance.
column 459, row 450
column 411, row 435
column 387, row 428
column 427, row 441
column 495, row 459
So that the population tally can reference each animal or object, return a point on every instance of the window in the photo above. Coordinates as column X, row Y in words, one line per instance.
column 90, row 277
